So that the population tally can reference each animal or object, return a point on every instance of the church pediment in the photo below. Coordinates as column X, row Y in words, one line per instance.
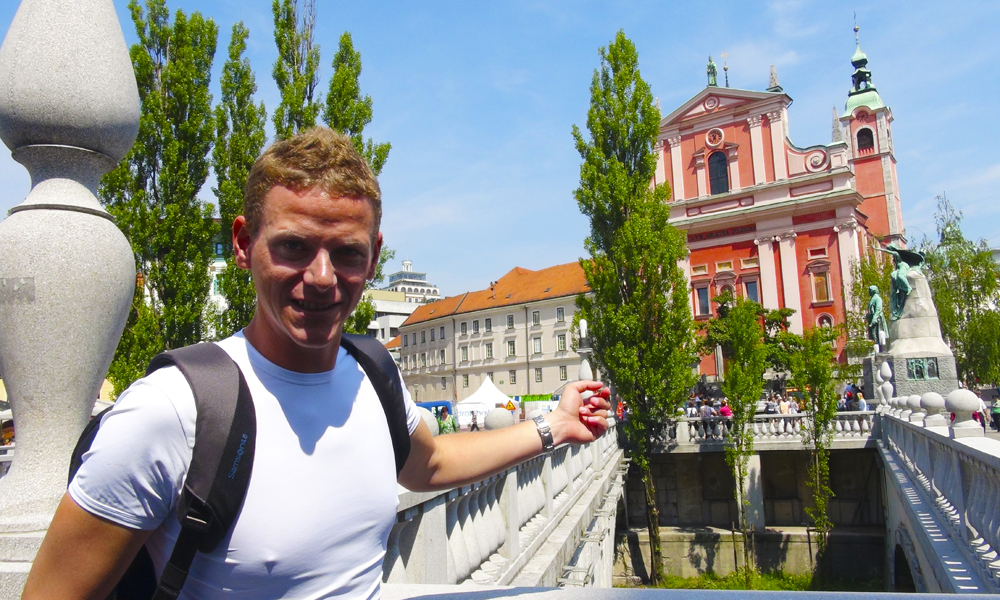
column 715, row 99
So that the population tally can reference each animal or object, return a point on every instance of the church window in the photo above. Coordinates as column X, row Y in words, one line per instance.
column 821, row 286
column 753, row 292
column 866, row 140
column 704, row 307
column 718, row 173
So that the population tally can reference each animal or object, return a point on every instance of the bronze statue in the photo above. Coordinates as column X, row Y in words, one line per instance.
column 905, row 261
column 878, row 329
column 713, row 72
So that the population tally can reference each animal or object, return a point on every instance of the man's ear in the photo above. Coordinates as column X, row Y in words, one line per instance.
column 242, row 241
column 376, row 255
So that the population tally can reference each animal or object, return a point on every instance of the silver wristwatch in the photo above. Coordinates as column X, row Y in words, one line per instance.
column 544, row 432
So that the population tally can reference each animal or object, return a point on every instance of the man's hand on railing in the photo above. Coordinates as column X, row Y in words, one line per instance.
column 581, row 417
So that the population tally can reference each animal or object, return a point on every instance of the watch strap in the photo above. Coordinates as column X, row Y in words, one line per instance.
column 544, row 432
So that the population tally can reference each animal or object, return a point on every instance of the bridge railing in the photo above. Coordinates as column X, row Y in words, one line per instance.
column 693, row 433
column 959, row 470
column 486, row 532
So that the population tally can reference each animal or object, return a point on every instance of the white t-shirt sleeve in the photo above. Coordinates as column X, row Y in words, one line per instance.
column 412, row 415
column 134, row 471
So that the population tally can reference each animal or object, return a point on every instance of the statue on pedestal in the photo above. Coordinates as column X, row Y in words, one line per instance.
column 905, row 261
column 878, row 329
column 713, row 72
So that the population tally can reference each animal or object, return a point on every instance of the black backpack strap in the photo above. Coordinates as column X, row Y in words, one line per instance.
column 221, row 461
column 382, row 371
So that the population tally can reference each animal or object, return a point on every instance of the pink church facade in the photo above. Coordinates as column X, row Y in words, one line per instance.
column 771, row 221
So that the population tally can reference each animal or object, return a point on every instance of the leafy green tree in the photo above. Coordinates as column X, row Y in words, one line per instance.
column 739, row 331
column 813, row 373
column 296, row 70
column 239, row 138
column 965, row 282
column 347, row 111
column 982, row 346
column 153, row 192
column 640, row 312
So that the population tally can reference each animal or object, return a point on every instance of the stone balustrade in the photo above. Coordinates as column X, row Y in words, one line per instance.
column 956, row 468
column 490, row 531
column 770, row 432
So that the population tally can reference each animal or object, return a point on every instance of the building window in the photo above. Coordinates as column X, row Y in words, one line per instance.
column 432, row 335
column 536, row 318
column 464, row 328
column 465, row 381
column 866, row 140
column 562, row 373
column 406, row 341
column 489, row 349
column 718, row 173
column 465, row 353
column 753, row 291
column 536, row 345
column 560, row 315
column 538, row 375
column 704, row 306
column 442, row 357
column 423, row 337
column 475, row 326
column 561, row 342
column 821, row 286
column 511, row 348
column 423, row 359
column 512, row 377
column 817, row 253
column 488, row 325
column 442, row 332
column 510, row 321
column 444, row 383
column 414, row 338
column 490, row 375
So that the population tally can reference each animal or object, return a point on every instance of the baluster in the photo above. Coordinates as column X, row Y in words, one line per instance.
column 456, row 542
column 483, row 535
column 469, row 532
column 393, row 569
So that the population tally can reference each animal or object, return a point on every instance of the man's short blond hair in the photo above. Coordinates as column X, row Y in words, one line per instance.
column 317, row 158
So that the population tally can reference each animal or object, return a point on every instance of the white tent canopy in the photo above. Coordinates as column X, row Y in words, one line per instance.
column 480, row 402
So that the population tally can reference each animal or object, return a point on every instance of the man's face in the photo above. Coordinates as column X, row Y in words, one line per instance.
column 310, row 260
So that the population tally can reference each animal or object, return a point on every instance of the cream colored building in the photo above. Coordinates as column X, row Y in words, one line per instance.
column 519, row 332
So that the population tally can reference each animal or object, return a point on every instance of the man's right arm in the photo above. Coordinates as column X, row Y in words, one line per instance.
column 82, row 556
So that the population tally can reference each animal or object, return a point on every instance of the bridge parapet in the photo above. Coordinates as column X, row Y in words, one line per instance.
column 547, row 521
column 947, row 480
column 770, row 432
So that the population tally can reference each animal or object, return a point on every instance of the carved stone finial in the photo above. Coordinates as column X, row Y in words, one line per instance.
column 772, row 83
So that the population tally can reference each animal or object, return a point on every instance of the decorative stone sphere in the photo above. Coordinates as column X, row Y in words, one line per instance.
column 428, row 418
column 932, row 402
column 913, row 403
column 498, row 418
column 536, row 413
column 963, row 403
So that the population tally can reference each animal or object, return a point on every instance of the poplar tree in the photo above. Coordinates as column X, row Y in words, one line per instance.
column 347, row 111
column 296, row 70
column 239, row 138
column 639, row 311
column 153, row 193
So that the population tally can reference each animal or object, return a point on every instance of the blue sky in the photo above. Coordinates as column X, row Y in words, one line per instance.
column 479, row 98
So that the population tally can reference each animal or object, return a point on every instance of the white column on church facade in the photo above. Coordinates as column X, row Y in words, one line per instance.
column 790, row 280
column 685, row 265
column 847, row 241
column 734, row 171
column 757, row 150
column 778, row 145
column 676, row 167
column 768, row 277
column 699, row 170
column 660, row 174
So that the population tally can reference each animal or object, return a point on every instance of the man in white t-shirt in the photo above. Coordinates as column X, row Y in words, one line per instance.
column 322, row 497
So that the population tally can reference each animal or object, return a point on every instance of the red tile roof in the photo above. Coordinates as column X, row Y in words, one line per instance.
column 516, row 287
column 395, row 342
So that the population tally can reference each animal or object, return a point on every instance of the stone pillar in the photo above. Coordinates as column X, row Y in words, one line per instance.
column 69, row 111
column 734, row 169
column 676, row 168
column 768, row 276
column 702, row 178
column 847, row 244
column 757, row 150
column 790, row 281
column 753, row 491
column 660, row 175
